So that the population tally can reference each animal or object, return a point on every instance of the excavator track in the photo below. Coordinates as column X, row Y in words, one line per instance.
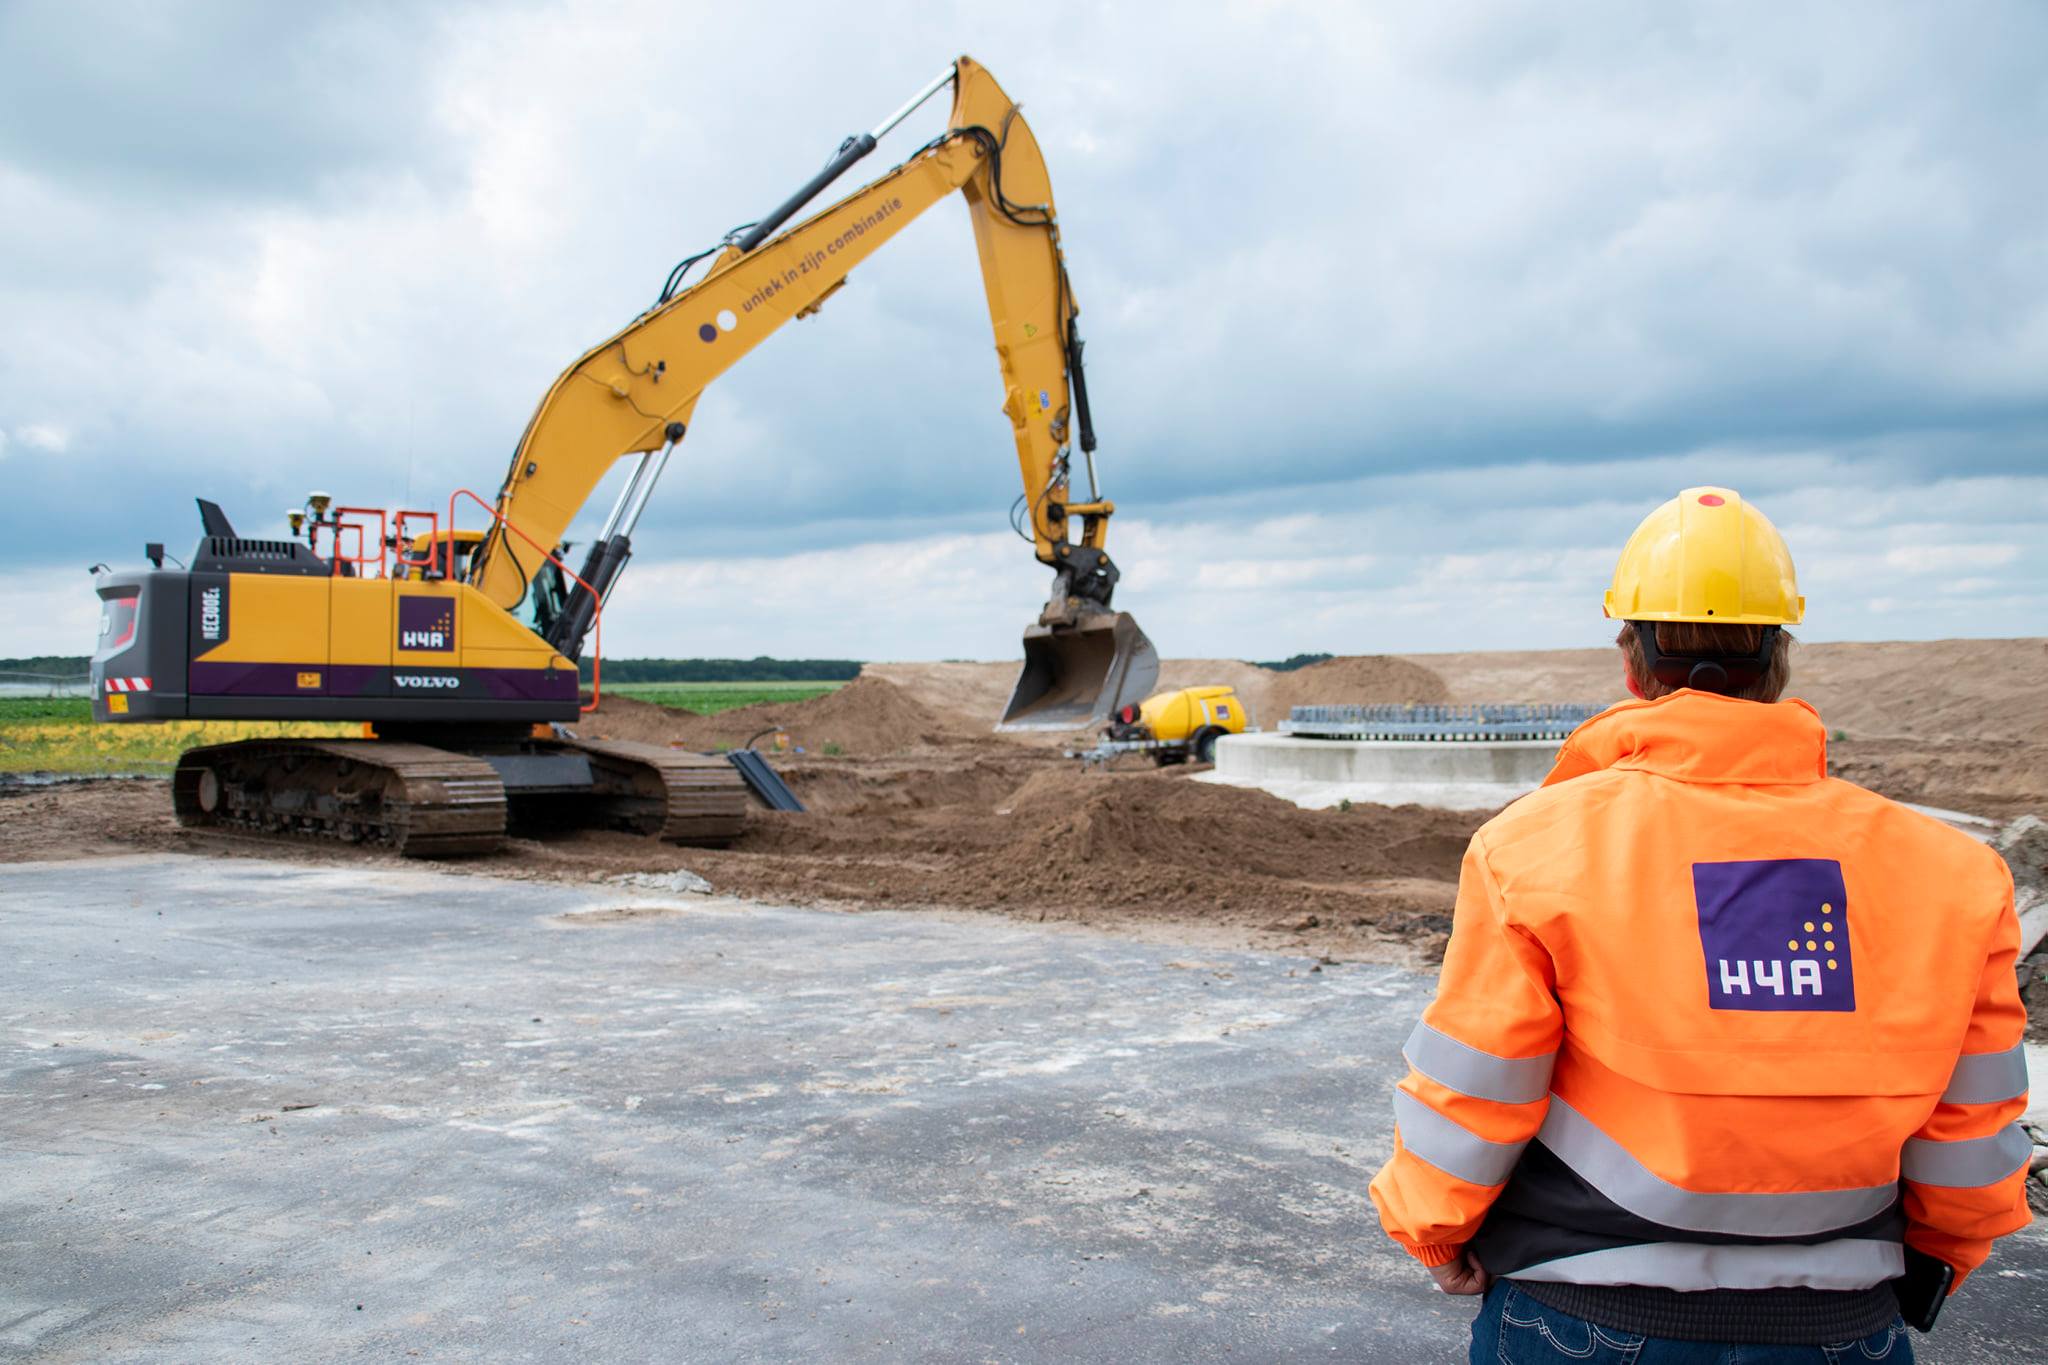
column 413, row 799
column 668, row 794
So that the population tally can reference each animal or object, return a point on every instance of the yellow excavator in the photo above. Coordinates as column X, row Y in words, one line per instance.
column 458, row 648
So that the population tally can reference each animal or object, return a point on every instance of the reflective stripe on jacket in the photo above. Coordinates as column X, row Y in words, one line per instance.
column 1712, row 1019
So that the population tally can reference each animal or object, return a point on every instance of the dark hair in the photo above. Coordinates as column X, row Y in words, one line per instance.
column 1699, row 639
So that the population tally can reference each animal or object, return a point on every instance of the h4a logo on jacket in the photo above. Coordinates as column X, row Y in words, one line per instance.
column 1775, row 933
column 426, row 622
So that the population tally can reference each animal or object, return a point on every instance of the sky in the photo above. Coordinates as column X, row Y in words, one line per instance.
column 1399, row 317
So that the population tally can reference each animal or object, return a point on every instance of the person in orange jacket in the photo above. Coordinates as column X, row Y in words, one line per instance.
column 1725, row 1060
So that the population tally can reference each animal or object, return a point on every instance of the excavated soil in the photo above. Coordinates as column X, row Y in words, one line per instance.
column 867, row 716
column 1357, row 680
column 1987, row 690
column 915, row 803
column 2001, row 780
column 1012, row 829
column 1064, row 845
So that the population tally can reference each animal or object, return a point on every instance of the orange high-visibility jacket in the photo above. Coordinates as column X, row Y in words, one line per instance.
column 1712, row 1019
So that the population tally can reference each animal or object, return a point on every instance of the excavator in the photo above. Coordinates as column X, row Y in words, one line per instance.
column 458, row 649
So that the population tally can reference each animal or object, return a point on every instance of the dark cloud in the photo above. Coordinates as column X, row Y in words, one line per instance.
column 247, row 251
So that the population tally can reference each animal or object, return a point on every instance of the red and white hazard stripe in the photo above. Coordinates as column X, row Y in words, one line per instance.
column 127, row 684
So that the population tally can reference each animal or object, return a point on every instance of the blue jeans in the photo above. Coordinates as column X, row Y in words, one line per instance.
column 1514, row 1329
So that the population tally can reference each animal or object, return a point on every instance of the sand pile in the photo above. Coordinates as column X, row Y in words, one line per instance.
column 1989, row 690
column 1536, row 675
column 642, row 722
column 1942, row 689
column 1361, row 679
column 965, row 693
column 971, row 695
column 1099, row 848
column 981, row 779
column 1082, row 838
column 867, row 716
column 1254, row 684
column 1998, row 780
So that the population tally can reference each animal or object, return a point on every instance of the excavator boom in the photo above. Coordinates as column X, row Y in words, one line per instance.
column 633, row 395
column 399, row 621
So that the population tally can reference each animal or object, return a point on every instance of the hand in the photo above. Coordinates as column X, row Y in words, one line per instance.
column 1462, row 1276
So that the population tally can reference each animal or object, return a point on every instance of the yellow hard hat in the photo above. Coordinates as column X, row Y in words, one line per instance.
column 1706, row 556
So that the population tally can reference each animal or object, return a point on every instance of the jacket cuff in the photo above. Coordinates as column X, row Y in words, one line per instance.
column 1441, row 1254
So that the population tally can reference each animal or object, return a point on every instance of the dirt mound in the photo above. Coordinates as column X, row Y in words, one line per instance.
column 1999, row 780
column 1994, row 690
column 1360, row 679
column 1990, row 690
column 981, row 780
column 1535, row 675
column 923, row 807
column 621, row 717
column 971, row 695
column 1254, row 684
column 1121, row 847
column 867, row 716
column 1093, row 831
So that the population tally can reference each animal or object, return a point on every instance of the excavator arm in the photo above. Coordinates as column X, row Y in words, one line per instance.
column 632, row 396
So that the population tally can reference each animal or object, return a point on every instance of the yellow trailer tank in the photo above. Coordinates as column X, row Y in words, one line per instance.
column 1187, row 722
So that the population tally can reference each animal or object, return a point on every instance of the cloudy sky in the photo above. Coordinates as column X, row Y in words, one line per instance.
column 1398, row 316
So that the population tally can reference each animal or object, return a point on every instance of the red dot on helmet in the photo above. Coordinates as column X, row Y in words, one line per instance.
column 1711, row 500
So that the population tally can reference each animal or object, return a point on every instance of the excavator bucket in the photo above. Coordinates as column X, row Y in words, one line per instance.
column 1076, row 676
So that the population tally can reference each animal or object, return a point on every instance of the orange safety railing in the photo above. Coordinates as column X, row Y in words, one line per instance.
column 597, row 619
column 353, row 542
column 401, row 542
column 376, row 542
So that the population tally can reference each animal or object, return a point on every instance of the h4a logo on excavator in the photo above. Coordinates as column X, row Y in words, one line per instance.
column 426, row 622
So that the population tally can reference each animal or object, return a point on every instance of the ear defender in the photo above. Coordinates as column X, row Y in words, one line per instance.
column 1724, row 674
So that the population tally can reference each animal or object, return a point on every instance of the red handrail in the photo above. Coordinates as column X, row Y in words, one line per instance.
column 365, row 554
column 597, row 620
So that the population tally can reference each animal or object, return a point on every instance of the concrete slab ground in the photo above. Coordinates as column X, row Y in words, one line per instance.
column 259, row 1111
column 1318, row 773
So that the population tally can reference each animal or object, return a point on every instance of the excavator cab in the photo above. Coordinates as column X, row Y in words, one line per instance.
column 439, row 553
column 1078, row 674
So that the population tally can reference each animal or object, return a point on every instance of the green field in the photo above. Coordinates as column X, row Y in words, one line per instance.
column 709, row 698
column 20, row 710
column 57, row 734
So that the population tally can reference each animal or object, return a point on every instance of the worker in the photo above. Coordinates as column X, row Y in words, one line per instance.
column 1725, row 1060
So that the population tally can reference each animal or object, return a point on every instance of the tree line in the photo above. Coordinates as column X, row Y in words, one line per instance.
column 758, row 669
column 1294, row 661
column 52, row 665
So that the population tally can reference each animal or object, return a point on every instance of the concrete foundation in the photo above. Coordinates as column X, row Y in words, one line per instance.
column 1451, row 775
column 256, row 1111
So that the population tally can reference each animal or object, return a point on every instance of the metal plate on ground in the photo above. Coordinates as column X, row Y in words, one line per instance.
column 1491, row 720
